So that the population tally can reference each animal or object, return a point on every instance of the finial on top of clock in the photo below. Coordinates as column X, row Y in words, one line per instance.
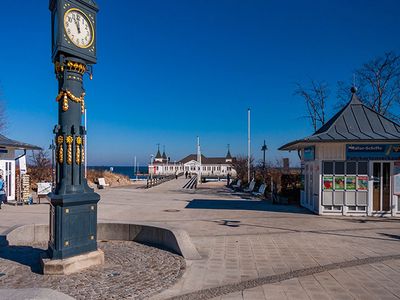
column 90, row 3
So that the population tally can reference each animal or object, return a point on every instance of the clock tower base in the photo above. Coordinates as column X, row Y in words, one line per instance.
column 73, row 264
column 73, row 224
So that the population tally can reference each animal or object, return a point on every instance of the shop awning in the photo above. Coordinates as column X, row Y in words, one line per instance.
column 6, row 142
column 354, row 123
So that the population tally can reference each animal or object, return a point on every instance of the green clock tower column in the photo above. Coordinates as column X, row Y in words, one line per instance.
column 73, row 209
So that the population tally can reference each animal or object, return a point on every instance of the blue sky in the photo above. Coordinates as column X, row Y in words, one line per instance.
column 171, row 70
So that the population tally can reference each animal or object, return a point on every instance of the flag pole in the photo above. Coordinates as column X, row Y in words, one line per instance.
column 248, row 145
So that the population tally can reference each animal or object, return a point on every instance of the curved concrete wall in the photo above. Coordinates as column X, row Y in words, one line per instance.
column 175, row 240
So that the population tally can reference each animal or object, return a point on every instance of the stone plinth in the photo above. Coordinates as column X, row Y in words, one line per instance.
column 72, row 264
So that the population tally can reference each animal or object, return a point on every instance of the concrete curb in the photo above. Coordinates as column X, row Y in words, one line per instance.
column 32, row 294
column 175, row 240
column 25, row 234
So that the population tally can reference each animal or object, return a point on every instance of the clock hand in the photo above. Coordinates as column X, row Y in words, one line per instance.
column 77, row 25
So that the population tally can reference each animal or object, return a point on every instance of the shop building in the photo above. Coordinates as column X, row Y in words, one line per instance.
column 351, row 165
column 8, row 157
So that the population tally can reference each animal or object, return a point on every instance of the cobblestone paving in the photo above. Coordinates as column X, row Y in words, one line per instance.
column 131, row 270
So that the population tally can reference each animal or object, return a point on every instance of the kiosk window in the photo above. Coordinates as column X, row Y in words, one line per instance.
column 363, row 168
column 339, row 168
column 328, row 167
column 351, row 168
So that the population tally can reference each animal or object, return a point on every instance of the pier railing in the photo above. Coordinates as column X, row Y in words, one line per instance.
column 156, row 180
column 191, row 184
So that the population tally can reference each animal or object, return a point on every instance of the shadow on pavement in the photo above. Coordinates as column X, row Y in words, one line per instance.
column 25, row 255
column 393, row 236
column 254, row 205
column 364, row 220
column 335, row 232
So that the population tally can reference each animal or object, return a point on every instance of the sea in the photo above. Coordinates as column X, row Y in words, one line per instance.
column 125, row 170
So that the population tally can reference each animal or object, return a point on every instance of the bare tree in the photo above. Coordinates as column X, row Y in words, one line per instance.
column 240, row 165
column 378, row 83
column 3, row 120
column 40, row 166
column 278, row 163
column 315, row 96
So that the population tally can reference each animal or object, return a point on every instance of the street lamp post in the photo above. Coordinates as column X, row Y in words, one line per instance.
column 264, row 149
column 248, row 145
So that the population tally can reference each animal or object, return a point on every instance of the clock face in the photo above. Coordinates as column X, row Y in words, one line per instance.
column 78, row 28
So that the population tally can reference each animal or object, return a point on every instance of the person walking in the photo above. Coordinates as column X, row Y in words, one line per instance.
column 3, row 198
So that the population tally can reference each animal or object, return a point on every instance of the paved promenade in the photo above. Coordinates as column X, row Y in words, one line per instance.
column 272, row 252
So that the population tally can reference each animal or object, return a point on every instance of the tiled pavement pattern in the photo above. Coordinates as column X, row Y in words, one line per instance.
column 373, row 281
column 236, row 258
column 269, row 239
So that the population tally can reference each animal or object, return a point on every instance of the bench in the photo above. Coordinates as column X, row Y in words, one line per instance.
column 102, row 183
column 250, row 189
column 43, row 188
column 261, row 190
column 237, row 185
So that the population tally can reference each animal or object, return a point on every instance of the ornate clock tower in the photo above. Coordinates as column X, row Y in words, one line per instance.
column 73, row 210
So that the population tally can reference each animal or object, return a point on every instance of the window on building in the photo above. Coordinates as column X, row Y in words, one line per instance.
column 344, row 168
column 339, row 167
column 328, row 167
column 362, row 168
column 351, row 168
column 347, row 183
